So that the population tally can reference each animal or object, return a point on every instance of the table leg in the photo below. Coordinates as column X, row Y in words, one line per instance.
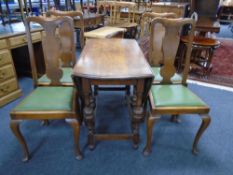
column 89, row 108
column 138, row 112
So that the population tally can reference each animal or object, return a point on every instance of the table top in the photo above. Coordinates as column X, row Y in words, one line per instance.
column 208, row 24
column 112, row 59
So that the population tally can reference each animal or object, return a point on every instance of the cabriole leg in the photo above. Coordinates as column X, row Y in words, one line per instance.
column 76, row 127
column 14, row 125
column 205, row 123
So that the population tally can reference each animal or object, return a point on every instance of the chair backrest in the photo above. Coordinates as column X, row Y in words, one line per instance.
column 147, row 17
column 164, row 46
column 76, row 15
column 57, row 43
column 123, row 6
column 106, row 7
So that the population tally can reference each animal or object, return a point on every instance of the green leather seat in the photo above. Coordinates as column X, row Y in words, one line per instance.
column 158, row 78
column 174, row 95
column 66, row 78
column 48, row 99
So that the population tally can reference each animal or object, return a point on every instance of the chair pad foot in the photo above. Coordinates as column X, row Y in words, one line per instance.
column 79, row 157
column 146, row 152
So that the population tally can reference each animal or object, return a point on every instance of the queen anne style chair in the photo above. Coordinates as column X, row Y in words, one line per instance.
column 75, row 15
column 155, row 51
column 169, row 97
column 54, row 101
column 127, row 23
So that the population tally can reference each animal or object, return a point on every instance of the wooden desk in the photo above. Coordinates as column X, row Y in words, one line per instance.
column 11, row 57
column 113, row 62
column 207, row 24
column 90, row 20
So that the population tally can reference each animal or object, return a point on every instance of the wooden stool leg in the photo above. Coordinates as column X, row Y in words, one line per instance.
column 205, row 123
column 76, row 127
column 150, row 123
column 14, row 125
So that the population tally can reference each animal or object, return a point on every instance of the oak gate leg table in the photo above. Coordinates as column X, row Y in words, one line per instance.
column 113, row 62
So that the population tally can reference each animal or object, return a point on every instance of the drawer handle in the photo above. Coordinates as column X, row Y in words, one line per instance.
column 4, row 89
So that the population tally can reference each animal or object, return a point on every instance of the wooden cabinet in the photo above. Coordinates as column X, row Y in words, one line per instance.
column 9, row 87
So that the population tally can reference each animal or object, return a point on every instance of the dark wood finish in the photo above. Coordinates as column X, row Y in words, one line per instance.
column 66, row 54
column 112, row 62
column 76, row 15
column 179, row 8
column 170, row 43
column 202, row 53
column 207, row 24
column 147, row 17
column 54, row 72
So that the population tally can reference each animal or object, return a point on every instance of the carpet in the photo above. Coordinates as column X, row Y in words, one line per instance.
column 51, row 146
column 222, row 63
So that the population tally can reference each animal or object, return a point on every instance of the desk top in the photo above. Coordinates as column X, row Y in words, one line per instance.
column 15, row 29
column 112, row 59
column 208, row 24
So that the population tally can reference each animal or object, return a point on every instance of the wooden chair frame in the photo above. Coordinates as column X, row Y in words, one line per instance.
column 170, row 46
column 68, row 51
column 147, row 17
column 54, row 73
column 72, row 14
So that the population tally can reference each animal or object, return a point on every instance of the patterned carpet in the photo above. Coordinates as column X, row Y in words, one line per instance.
column 222, row 71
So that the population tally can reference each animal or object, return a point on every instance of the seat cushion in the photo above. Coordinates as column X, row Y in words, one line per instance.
column 158, row 78
column 174, row 96
column 66, row 78
column 47, row 99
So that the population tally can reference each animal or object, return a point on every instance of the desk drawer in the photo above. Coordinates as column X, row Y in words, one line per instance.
column 5, row 57
column 8, row 87
column 36, row 36
column 3, row 44
column 18, row 40
column 6, row 72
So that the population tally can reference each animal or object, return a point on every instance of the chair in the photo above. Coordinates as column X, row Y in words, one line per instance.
column 155, row 51
column 202, row 51
column 147, row 17
column 54, row 101
column 168, row 97
column 78, row 15
column 102, row 32
column 127, row 23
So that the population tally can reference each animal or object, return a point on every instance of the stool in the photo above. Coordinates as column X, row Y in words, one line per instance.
column 202, row 53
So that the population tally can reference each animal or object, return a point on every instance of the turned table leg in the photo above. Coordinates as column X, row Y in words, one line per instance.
column 89, row 108
column 138, row 112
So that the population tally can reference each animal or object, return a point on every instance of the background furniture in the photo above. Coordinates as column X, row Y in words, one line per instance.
column 113, row 62
column 168, row 98
column 11, row 60
column 128, row 23
column 54, row 101
column 180, row 9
